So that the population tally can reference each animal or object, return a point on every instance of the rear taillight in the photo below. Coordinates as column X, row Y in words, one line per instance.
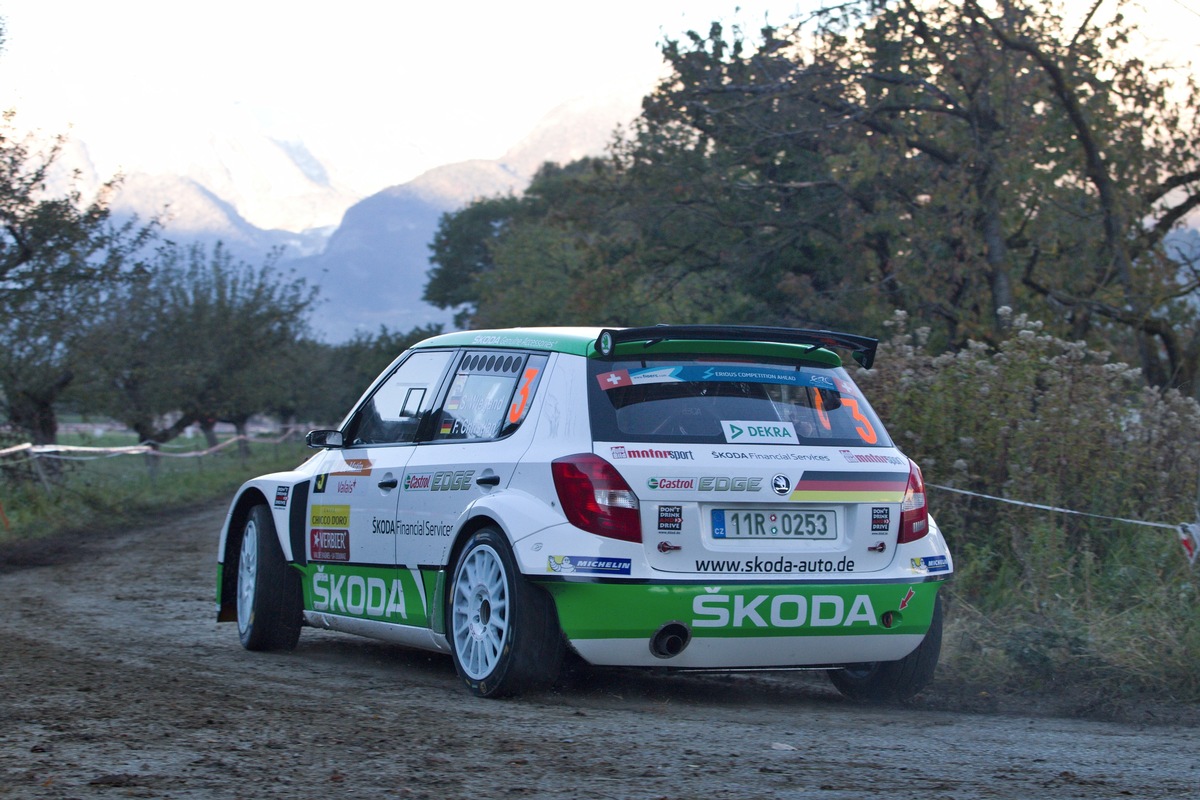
column 596, row 498
column 914, row 514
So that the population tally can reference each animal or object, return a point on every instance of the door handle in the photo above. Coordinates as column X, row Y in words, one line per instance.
column 488, row 480
column 389, row 483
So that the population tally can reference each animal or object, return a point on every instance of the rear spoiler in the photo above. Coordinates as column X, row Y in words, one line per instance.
column 862, row 348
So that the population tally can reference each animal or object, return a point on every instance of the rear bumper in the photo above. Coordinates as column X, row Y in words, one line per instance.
column 732, row 625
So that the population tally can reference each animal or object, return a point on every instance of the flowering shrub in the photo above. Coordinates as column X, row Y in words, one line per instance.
column 1043, row 595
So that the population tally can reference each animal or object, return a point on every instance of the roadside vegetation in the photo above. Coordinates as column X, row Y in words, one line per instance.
column 997, row 191
column 91, row 493
column 1089, row 606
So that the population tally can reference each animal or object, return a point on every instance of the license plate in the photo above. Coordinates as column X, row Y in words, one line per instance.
column 773, row 524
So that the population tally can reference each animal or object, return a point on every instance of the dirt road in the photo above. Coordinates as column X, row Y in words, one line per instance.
column 117, row 682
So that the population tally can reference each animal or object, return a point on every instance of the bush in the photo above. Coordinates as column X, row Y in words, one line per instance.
column 1045, row 597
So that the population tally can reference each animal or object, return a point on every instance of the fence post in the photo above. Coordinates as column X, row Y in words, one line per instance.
column 41, row 473
column 152, row 465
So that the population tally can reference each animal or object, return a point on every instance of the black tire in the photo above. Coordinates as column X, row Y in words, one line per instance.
column 269, row 602
column 503, row 630
column 893, row 681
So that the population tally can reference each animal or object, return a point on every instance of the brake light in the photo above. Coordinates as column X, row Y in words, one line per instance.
column 596, row 498
column 914, row 514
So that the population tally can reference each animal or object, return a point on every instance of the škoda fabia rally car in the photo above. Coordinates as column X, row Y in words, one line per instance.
column 690, row 497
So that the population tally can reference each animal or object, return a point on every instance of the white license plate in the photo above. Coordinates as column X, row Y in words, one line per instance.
column 773, row 524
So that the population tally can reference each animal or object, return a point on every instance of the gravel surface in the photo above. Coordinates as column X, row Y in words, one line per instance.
column 118, row 682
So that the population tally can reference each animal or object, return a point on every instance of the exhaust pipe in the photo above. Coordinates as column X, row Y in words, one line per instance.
column 670, row 640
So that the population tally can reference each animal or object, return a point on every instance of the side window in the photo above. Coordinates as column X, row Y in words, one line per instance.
column 489, row 396
column 393, row 414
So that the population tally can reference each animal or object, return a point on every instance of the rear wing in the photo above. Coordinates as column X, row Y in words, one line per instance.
column 862, row 348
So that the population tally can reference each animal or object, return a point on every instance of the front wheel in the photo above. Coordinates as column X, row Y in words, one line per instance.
column 269, row 604
column 893, row 681
column 504, row 632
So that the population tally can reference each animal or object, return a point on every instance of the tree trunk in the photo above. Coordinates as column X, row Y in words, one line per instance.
column 31, row 408
column 209, row 426
column 243, row 439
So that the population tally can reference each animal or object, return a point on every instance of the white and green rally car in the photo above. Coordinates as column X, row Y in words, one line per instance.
column 692, row 497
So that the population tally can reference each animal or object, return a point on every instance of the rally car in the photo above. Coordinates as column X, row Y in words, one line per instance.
column 676, row 496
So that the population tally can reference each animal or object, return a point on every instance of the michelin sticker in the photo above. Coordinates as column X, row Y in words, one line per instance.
column 931, row 563
column 588, row 565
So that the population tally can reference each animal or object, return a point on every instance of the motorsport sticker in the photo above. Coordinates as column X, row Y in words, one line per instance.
column 330, row 516
column 588, row 565
column 758, row 432
column 327, row 545
column 670, row 518
column 871, row 458
column 881, row 519
column 629, row 452
column 281, row 496
column 931, row 563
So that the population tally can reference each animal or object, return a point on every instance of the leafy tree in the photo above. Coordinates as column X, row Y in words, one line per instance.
column 964, row 163
column 879, row 155
column 550, row 256
column 60, row 256
column 347, row 369
column 461, row 252
column 127, row 349
column 199, row 337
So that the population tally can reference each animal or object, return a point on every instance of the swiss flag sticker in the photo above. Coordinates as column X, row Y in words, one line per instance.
column 611, row 380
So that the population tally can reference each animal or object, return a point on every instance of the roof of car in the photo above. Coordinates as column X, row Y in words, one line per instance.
column 810, row 345
column 577, row 341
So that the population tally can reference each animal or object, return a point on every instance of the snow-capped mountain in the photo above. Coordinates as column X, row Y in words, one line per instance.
column 368, row 255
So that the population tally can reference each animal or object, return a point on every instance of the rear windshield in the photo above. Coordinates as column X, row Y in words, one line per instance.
column 724, row 401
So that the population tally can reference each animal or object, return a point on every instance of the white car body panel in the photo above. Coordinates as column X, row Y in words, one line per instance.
column 402, row 524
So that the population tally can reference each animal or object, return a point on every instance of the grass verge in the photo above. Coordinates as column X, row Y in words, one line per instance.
column 47, row 498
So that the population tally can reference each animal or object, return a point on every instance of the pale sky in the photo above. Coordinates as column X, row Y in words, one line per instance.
column 409, row 85
column 419, row 83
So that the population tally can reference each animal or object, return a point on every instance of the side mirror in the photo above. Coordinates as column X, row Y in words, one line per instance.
column 318, row 439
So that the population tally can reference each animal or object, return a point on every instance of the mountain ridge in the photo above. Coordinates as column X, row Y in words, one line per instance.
column 369, row 260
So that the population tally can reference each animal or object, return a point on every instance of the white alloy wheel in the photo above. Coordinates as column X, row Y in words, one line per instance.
column 480, row 609
column 247, row 576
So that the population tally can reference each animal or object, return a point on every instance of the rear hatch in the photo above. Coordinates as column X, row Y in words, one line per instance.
column 766, row 463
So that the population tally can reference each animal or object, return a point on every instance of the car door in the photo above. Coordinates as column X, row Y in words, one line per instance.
column 471, row 452
column 352, row 505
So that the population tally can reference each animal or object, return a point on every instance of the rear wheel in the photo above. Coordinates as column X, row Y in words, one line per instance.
column 892, row 681
column 269, row 605
column 504, row 632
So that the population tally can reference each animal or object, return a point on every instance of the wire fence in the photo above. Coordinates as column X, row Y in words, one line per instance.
column 34, row 455
column 62, row 471
column 1188, row 532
